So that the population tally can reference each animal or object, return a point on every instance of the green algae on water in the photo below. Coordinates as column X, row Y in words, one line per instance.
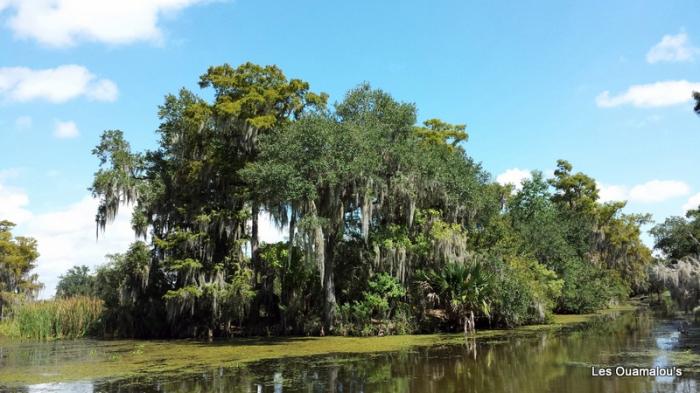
column 106, row 359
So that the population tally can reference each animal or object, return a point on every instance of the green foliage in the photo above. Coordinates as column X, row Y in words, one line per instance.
column 588, row 288
column 293, row 278
column 678, row 237
column 593, row 247
column 77, row 281
column 62, row 318
column 462, row 289
column 578, row 191
column 372, row 204
column 133, row 308
column 18, row 257
column 438, row 132
column 380, row 304
column 525, row 292
column 9, row 328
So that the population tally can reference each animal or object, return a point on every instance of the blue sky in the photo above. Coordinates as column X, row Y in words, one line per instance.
column 528, row 78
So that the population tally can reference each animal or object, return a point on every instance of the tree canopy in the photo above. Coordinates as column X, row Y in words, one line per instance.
column 381, row 213
column 18, row 257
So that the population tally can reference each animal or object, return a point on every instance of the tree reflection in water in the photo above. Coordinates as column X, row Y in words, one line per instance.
column 535, row 362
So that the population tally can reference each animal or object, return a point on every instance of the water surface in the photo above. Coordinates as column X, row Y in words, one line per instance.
column 524, row 361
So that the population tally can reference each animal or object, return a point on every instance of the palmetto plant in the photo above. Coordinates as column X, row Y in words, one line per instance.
column 461, row 288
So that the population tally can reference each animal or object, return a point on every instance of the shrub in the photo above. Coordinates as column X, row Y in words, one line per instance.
column 375, row 312
column 525, row 292
column 588, row 288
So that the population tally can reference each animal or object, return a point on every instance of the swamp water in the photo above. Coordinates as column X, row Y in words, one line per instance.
column 524, row 360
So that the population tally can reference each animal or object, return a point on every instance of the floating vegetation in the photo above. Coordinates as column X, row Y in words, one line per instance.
column 124, row 359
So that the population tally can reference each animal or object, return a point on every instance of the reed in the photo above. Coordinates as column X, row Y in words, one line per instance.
column 61, row 318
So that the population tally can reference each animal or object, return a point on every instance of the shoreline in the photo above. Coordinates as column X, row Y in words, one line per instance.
column 120, row 359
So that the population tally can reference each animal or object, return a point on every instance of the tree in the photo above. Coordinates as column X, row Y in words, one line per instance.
column 77, row 281
column 682, row 279
column 310, row 168
column 570, row 232
column 438, row 132
column 696, row 97
column 133, row 294
column 678, row 237
column 370, row 200
column 578, row 191
column 251, row 100
column 189, row 194
column 462, row 288
column 349, row 175
column 535, row 217
column 618, row 246
column 18, row 257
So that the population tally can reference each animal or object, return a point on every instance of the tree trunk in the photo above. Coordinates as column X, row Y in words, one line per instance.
column 285, row 297
column 329, row 304
column 290, row 243
column 254, row 243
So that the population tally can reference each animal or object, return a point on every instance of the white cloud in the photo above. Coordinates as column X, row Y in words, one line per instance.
column 672, row 48
column 13, row 204
column 514, row 176
column 66, row 237
column 651, row 95
column 60, row 84
column 23, row 122
column 611, row 192
column 65, row 130
column 693, row 203
column 658, row 191
column 61, row 23
column 650, row 192
column 103, row 90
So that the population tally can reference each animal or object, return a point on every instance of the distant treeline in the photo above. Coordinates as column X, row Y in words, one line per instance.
column 392, row 226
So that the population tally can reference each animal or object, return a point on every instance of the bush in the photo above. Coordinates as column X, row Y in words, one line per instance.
column 380, row 311
column 588, row 288
column 524, row 292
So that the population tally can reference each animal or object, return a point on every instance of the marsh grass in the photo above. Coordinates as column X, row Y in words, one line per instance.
column 9, row 328
column 62, row 318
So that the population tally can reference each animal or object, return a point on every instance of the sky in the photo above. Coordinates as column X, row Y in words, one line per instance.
column 605, row 85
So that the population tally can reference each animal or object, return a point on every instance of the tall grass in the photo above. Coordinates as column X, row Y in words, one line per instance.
column 61, row 318
column 9, row 328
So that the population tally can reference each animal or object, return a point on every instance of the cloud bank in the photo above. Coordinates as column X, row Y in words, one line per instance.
column 64, row 23
column 653, row 191
column 651, row 95
column 673, row 49
column 514, row 176
column 56, row 85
